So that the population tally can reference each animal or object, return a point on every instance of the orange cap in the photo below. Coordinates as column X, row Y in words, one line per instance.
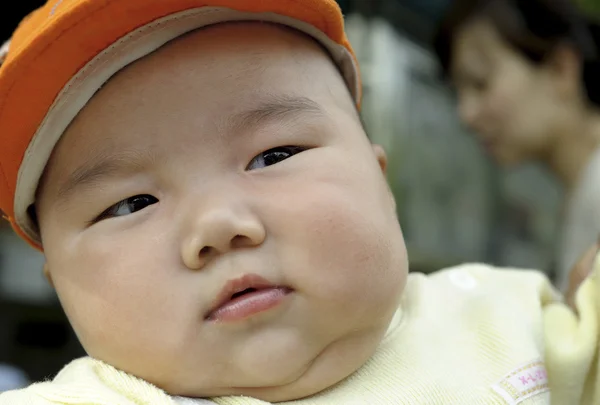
column 62, row 53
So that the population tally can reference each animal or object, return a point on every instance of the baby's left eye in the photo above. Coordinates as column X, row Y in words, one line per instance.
column 127, row 206
column 272, row 156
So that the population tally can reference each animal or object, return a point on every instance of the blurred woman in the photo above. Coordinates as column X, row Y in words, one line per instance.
column 527, row 76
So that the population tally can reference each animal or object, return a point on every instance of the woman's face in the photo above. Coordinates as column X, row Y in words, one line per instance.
column 512, row 105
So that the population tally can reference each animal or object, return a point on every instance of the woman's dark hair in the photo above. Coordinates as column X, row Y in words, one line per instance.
column 533, row 27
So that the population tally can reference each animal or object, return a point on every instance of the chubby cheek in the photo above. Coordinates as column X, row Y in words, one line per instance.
column 111, row 297
column 345, row 247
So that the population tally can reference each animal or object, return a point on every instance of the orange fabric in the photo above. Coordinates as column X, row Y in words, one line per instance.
column 53, row 43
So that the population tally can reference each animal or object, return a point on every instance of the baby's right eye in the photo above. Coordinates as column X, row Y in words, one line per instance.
column 273, row 156
column 128, row 206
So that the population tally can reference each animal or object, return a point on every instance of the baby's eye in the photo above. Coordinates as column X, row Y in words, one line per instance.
column 128, row 206
column 272, row 156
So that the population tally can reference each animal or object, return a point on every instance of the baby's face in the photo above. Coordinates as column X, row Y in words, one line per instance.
column 229, row 161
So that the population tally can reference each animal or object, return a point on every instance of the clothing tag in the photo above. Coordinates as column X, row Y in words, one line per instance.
column 523, row 382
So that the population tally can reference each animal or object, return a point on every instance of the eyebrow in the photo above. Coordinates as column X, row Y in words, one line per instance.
column 131, row 161
column 273, row 109
column 102, row 167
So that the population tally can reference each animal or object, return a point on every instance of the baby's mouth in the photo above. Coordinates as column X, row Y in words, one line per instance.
column 246, row 296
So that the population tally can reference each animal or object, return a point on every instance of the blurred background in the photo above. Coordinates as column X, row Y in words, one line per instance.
column 454, row 204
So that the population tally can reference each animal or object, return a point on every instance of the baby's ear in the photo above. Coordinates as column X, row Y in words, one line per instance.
column 381, row 157
column 48, row 275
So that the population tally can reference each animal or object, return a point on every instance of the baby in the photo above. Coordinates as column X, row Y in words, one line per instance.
column 218, row 227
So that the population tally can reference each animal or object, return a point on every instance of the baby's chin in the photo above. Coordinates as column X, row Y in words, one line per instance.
column 307, row 377
column 311, row 383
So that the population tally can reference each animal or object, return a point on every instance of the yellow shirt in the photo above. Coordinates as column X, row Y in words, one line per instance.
column 467, row 335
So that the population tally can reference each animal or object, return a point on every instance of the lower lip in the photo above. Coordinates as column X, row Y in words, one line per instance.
column 250, row 304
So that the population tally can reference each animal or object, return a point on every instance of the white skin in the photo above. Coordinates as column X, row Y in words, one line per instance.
column 186, row 129
column 524, row 111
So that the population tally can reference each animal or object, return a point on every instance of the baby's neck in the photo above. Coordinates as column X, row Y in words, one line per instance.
column 191, row 401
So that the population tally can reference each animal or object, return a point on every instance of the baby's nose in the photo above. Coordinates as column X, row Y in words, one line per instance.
column 217, row 231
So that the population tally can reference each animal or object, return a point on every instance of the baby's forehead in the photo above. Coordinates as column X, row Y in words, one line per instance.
column 252, row 76
column 241, row 62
